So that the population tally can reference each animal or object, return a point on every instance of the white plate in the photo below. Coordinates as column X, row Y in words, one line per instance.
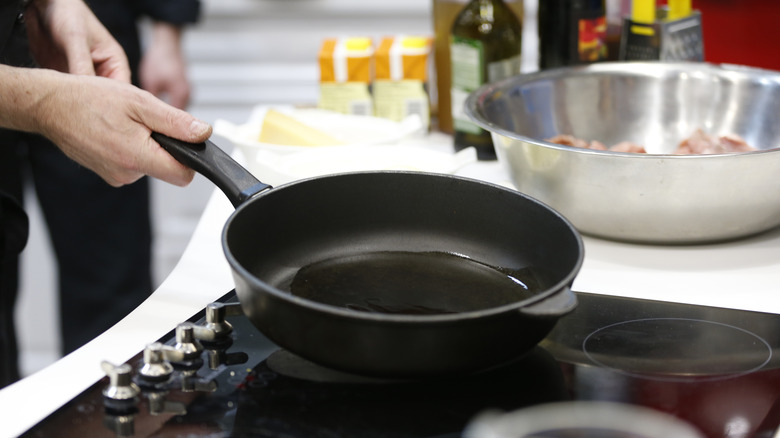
column 276, row 169
column 350, row 129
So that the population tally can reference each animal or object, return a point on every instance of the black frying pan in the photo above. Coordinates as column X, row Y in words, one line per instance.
column 405, row 226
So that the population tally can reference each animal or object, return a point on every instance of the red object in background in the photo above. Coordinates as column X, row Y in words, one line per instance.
column 741, row 32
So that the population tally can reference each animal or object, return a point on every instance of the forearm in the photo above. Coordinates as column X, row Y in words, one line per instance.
column 23, row 92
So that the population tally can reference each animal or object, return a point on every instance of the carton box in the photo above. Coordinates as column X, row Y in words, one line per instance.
column 346, row 70
column 400, row 85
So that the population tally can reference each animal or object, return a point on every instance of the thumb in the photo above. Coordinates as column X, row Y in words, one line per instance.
column 176, row 123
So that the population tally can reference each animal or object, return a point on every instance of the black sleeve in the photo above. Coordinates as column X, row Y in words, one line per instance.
column 179, row 12
column 14, row 228
column 14, row 49
column 8, row 12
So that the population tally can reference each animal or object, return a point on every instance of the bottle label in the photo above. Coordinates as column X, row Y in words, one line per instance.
column 467, row 58
column 503, row 69
column 592, row 39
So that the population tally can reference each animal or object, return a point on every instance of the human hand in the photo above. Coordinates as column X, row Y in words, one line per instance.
column 103, row 124
column 163, row 70
column 66, row 36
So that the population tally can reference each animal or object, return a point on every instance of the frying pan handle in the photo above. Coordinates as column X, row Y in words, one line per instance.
column 206, row 158
column 559, row 304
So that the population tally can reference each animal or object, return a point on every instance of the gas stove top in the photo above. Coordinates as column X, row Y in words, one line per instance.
column 715, row 369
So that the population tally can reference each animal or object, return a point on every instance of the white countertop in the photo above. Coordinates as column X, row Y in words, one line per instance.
column 744, row 274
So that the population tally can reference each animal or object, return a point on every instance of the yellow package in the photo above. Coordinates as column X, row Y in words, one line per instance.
column 401, row 83
column 346, row 70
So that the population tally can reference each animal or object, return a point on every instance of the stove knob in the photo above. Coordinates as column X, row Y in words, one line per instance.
column 121, row 392
column 215, row 319
column 155, row 368
column 216, row 327
column 186, row 344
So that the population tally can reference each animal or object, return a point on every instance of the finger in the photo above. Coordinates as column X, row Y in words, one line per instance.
column 79, row 57
column 113, row 65
column 161, row 165
column 160, row 117
column 110, row 60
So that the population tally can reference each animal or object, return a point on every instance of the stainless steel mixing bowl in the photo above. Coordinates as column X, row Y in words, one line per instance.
column 655, row 197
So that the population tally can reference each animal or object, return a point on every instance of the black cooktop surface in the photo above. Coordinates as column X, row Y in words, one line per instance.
column 715, row 369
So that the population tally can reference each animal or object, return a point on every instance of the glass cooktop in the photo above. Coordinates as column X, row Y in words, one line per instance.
column 717, row 370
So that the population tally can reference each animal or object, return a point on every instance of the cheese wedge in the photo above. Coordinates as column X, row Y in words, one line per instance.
column 282, row 129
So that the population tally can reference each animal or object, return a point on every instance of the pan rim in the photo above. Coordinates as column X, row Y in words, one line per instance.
column 559, row 287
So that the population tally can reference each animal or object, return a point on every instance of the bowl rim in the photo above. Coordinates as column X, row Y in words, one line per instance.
column 476, row 98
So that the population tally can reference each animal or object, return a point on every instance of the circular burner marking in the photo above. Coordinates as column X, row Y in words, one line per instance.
column 677, row 349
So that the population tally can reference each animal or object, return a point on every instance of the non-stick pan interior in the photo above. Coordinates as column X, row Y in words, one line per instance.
column 289, row 227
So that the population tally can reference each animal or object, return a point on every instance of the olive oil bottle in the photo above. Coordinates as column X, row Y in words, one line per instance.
column 485, row 46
